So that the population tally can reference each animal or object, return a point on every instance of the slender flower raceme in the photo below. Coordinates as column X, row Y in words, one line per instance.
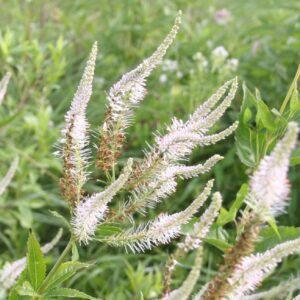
column 91, row 211
column 151, row 181
column 277, row 292
column 192, row 241
column 9, row 175
column 267, row 198
column 185, row 290
column 161, row 230
column 269, row 184
column 201, row 228
column 126, row 94
column 3, row 86
column 75, row 138
column 254, row 268
column 11, row 271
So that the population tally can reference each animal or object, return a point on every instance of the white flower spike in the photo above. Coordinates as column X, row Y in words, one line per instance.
column 90, row 212
column 269, row 185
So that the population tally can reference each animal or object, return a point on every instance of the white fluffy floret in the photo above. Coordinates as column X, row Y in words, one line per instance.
column 89, row 212
column 269, row 185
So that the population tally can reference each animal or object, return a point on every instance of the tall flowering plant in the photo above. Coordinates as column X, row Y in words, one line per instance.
column 143, row 184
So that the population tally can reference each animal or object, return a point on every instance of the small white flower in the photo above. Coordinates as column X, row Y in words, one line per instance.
column 169, row 65
column 179, row 74
column 163, row 78
column 232, row 64
column 220, row 52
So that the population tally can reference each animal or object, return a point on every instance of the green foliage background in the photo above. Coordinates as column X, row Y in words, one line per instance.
column 44, row 44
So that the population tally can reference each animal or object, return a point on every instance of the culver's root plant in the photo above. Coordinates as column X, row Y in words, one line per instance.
column 142, row 184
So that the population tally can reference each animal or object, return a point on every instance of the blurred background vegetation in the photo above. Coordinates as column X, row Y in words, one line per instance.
column 44, row 44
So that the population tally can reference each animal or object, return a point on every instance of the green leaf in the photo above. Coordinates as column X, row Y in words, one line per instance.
column 295, row 159
column 221, row 245
column 264, row 115
column 14, row 295
column 294, row 102
column 270, row 239
column 105, row 230
column 26, row 289
column 71, row 293
column 62, row 218
column 9, row 119
column 75, row 254
column 273, row 225
column 64, row 272
column 36, row 266
column 229, row 216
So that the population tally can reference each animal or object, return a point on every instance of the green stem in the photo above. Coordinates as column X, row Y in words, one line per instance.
column 56, row 266
column 290, row 91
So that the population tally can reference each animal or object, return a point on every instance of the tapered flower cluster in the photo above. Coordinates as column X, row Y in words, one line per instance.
column 269, row 185
column 91, row 211
column 162, row 229
column 267, row 198
column 152, row 180
column 5, row 181
column 201, row 228
column 185, row 290
column 75, row 138
column 156, row 176
column 253, row 269
column 122, row 98
column 3, row 86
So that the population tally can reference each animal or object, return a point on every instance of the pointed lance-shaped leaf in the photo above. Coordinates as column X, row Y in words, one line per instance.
column 12, row 270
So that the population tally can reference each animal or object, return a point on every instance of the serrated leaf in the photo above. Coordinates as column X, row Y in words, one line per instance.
column 13, row 295
column 64, row 272
column 71, row 293
column 36, row 266
column 26, row 289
